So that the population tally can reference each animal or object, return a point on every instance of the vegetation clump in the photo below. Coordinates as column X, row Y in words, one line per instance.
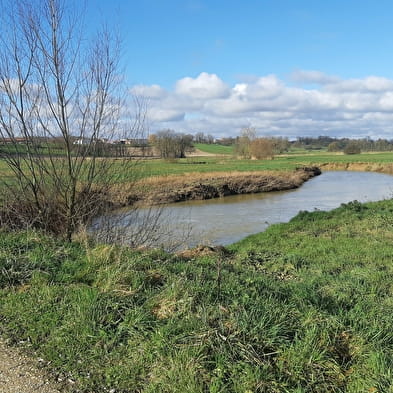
column 171, row 144
column 352, row 148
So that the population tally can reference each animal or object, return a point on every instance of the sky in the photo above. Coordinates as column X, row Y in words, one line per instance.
column 286, row 67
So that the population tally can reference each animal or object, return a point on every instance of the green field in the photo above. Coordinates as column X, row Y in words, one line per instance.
column 283, row 162
column 159, row 167
column 214, row 149
column 303, row 307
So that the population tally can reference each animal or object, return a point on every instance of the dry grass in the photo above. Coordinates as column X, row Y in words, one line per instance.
column 196, row 185
column 359, row 166
column 176, row 181
column 197, row 176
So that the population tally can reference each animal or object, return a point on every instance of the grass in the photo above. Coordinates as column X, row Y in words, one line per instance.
column 151, row 168
column 43, row 148
column 214, row 149
column 306, row 306
column 282, row 163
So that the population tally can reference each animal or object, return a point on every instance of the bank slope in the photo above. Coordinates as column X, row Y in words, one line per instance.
column 306, row 306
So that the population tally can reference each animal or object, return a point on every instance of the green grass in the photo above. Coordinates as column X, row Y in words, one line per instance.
column 214, row 149
column 306, row 306
column 43, row 148
column 184, row 166
column 284, row 162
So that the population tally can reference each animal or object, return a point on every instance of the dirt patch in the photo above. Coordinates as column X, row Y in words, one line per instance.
column 20, row 374
column 198, row 186
column 200, row 153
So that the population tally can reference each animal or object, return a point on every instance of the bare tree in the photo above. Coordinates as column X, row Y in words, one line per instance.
column 171, row 144
column 61, row 103
column 243, row 142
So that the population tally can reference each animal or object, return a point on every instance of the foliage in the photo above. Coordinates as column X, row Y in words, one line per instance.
column 333, row 146
column 339, row 144
column 352, row 148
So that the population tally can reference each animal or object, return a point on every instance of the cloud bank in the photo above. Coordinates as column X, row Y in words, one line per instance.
column 311, row 103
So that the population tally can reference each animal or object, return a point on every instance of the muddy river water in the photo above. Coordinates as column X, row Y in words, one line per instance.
column 227, row 220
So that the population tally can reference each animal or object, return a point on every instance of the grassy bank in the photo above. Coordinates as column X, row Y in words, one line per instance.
column 200, row 186
column 303, row 307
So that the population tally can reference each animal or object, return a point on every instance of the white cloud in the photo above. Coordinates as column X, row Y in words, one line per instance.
column 152, row 91
column 368, row 84
column 336, row 107
column 204, row 86
column 157, row 115
column 313, row 77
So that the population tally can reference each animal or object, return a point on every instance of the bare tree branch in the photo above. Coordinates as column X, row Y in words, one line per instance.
column 62, row 101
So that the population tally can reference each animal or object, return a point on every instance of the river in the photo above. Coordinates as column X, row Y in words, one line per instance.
column 227, row 220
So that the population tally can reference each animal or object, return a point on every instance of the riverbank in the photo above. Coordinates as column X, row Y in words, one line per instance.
column 201, row 186
column 358, row 166
column 305, row 306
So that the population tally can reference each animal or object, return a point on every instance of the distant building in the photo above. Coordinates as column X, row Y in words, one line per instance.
column 82, row 141
column 6, row 141
column 133, row 141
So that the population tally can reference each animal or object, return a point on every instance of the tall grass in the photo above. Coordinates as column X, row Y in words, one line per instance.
column 303, row 307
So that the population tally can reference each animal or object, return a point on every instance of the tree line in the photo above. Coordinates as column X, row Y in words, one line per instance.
column 172, row 144
column 343, row 144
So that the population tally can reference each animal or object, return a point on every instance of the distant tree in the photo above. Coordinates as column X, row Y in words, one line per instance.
column 199, row 137
column 333, row 146
column 352, row 148
column 280, row 145
column 152, row 139
column 311, row 143
column 243, row 142
column 383, row 145
column 185, row 144
column 210, row 139
column 171, row 144
column 229, row 141
column 261, row 148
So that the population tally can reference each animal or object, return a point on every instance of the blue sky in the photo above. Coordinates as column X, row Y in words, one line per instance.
column 165, row 40
column 240, row 42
